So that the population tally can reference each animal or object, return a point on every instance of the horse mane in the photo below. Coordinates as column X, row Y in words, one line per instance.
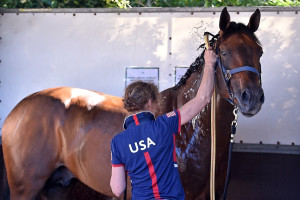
column 199, row 62
column 194, row 67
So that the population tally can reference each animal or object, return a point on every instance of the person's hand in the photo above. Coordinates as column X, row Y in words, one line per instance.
column 210, row 57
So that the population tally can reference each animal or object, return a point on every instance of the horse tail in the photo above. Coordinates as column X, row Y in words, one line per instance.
column 4, row 189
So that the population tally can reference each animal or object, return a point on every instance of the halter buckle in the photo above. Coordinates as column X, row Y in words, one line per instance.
column 228, row 75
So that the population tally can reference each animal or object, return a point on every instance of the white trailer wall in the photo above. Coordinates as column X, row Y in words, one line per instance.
column 90, row 49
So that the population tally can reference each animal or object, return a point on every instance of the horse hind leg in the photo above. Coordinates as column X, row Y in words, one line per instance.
column 26, row 182
column 26, row 188
column 28, row 171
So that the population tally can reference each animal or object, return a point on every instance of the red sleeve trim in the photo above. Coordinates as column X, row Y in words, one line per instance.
column 118, row 165
column 179, row 121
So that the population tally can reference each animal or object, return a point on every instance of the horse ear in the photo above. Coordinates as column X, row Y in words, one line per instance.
column 224, row 20
column 254, row 21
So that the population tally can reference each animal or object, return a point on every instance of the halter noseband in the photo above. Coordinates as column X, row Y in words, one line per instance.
column 228, row 73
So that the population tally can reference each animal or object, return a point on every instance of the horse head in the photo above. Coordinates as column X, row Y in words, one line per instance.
column 239, row 70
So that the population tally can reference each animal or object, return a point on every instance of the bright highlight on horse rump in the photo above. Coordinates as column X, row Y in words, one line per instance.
column 90, row 98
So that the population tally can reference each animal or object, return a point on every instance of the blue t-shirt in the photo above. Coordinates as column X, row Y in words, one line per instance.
column 146, row 148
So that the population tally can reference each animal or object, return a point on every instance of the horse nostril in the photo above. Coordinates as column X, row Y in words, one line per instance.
column 246, row 96
column 262, row 98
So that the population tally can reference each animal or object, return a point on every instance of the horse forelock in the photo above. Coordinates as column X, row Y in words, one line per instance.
column 86, row 97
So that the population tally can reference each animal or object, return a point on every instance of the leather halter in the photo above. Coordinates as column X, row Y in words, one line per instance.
column 227, row 73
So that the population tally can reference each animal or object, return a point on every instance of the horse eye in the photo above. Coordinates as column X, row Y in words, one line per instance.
column 223, row 53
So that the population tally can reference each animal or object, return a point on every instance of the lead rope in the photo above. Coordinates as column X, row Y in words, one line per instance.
column 213, row 138
column 213, row 145
column 233, row 130
column 213, row 135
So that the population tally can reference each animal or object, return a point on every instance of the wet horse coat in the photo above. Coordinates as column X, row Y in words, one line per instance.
column 62, row 133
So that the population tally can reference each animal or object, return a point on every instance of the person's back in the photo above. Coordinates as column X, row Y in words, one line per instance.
column 146, row 148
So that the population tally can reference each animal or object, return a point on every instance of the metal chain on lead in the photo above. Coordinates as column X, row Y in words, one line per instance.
column 234, row 123
column 236, row 115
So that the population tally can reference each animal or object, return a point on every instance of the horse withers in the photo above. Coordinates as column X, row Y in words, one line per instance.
column 63, row 133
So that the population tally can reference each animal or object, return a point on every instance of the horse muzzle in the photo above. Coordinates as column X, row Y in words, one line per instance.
column 250, row 101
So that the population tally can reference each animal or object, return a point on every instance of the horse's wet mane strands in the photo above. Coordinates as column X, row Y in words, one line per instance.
column 194, row 67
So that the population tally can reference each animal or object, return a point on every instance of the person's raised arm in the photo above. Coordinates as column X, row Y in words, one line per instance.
column 195, row 105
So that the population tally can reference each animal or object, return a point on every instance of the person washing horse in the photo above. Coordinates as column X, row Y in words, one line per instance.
column 146, row 148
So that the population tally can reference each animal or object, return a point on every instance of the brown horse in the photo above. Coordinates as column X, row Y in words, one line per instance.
column 60, row 133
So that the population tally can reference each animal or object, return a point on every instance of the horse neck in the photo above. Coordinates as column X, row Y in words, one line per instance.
column 189, row 90
column 175, row 97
